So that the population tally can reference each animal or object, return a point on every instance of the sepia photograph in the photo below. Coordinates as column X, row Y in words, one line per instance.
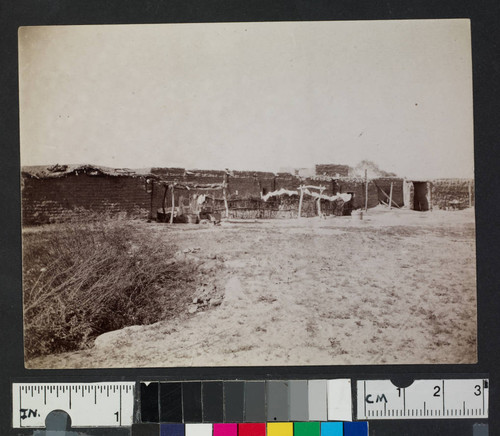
column 248, row 194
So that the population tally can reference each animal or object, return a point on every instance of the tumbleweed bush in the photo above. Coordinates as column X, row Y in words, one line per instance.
column 84, row 278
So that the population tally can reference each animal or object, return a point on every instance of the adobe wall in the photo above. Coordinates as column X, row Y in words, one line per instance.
column 58, row 199
column 449, row 194
column 47, row 200
column 384, row 186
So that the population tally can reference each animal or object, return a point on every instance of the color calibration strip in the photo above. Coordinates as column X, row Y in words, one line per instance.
column 246, row 401
column 254, row 429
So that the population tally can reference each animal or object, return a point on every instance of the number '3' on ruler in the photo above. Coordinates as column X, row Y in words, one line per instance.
column 423, row 399
column 108, row 404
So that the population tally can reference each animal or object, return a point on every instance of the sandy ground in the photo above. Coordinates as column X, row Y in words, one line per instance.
column 397, row 287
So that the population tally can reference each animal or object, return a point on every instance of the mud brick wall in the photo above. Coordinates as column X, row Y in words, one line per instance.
column 169, row 174
column 59, row 199
column 384, row 184
column 47, row 200
column 250, row 184
column 357, row 188
column 451, row 194
column 288, row 181
column 278, row 207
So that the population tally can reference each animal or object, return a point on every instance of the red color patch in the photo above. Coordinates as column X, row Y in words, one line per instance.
column 256, row 429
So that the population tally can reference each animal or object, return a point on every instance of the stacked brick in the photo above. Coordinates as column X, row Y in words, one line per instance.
column 58, row 197
column 452, row 194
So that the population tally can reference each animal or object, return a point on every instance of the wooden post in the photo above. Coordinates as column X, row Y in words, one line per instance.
column 300, row 200
column 224, row 185
column 470, row 193
column 225, row 202
column 319, row 202
column 366, row 190
column 390, row 197
column 173, row 205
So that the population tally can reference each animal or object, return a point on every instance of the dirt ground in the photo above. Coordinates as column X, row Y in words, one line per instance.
column 397, row 287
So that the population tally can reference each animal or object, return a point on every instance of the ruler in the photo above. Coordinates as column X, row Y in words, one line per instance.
column 423, row 399
column 108, row 404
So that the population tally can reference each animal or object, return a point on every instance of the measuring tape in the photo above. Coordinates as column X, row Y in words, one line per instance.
column 423, row 399
column 88, row 404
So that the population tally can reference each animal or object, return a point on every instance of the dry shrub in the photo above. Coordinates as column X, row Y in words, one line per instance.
column 82, row 279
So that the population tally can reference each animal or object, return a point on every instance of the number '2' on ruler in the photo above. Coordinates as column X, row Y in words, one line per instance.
column 423, row 399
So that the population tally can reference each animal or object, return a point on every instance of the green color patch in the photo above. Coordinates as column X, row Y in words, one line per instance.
column 306, row 429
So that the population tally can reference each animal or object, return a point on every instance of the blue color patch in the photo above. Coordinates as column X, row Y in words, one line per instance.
column 172, row 430
column 358, row 428
column 331, row 429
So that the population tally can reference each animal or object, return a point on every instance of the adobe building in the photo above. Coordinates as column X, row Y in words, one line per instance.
column 61, row 192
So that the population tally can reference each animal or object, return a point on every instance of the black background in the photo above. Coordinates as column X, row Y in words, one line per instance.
column 485, row 20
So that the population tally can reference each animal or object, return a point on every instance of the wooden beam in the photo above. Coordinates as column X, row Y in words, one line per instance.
column 390, row 197
column 313, row 187
column 225, row 184
column 225, row 202
column 319, row 202
column 300, row 200
column 393, row 202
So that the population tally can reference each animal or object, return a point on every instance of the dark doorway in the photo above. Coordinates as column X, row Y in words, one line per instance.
column 349, row 206
column 420, row 197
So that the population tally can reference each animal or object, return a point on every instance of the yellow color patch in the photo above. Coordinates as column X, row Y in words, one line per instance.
column 280, row 429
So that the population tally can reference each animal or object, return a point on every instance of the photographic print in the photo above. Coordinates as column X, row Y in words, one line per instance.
column 248, row 194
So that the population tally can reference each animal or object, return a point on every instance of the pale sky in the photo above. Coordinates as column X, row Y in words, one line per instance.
column 250, row 96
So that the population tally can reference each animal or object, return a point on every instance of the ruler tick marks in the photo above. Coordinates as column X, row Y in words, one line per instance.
column 483, row 397
column 120, row 404
column 443, row 395
column 404, row 399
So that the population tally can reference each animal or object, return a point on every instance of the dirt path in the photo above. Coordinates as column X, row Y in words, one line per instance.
column 397, row 287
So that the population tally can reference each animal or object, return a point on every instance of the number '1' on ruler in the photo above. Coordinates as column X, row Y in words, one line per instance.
column 107, row 404
column 423, row 399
